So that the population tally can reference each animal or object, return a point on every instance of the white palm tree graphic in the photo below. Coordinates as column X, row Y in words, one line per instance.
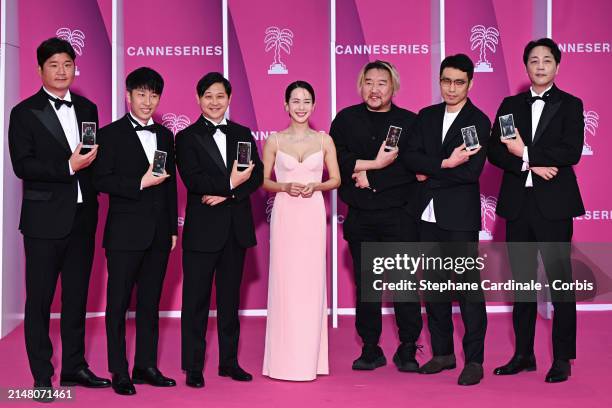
column 279, row 40
column 487, row 210
column 76, row 38
column 269, row 206
column 591, row 123
column 485, row 38
column 174, row 122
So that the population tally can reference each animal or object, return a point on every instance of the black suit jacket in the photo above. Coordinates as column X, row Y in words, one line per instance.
column 39, row 153
column 201, row 168
column 558, row 142
column 355, row 138
column 136, row 218
column 456, row 191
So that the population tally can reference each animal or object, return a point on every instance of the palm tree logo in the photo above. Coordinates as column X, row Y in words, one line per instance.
column 487, row 211
column 484, row 38
column 174, row 122
column 269, row 206
column 279, row 40
column 591, row 123
column 76, row 38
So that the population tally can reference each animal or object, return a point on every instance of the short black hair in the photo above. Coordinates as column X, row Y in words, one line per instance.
column 546, row 42
column 53, row 46
column 144, row 78
column 297, row 85
column 213, row 78
column 459, row 61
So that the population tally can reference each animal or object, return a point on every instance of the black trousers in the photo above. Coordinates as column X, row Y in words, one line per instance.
column 389, row 225
column 71, row 256
column 147, row 270
column 532, row 226
column 439, row 311
column 199, row 268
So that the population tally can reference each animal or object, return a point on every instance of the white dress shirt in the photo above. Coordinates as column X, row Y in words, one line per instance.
column 536, row 113
column 220, row 138
column 70, row 125
column 148, row 140
column 449, row 117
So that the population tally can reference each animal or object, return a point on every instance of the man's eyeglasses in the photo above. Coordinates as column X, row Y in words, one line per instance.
column 447, row 82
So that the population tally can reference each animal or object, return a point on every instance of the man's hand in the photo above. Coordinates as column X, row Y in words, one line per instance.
column 421, row 177
column 174, row 238
column 459, row 156
column 515, row 146
column 384, row 158
column 149, row 179
column 293, row 189
column 212, row 200
column 79, row 161
column 308, row 190
column 547, row 173
column 361, row 179
column 239, row 177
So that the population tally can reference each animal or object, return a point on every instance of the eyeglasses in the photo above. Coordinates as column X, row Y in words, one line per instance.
column 447, row 82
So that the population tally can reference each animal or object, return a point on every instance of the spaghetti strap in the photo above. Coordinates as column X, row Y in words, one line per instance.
column 276, row 138
column 322, row 141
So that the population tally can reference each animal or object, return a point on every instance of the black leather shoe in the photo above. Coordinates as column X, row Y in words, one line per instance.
column 404, row 358
column 471, row 374
column 236, row 373
column 517, row 364
column 44, row 391
column 439, row 363
column 151, row 376
column 123, row 385
column 560, row 370
column 371, row 358
column 85, row 378
column 195, row 379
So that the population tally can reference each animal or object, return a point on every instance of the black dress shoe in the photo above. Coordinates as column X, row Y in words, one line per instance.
column 404, row 358
column 195, row 379
column 471, row 374
column 371, row 358
column 236, row 373
column 560, row 370
column 517, row 364
column 123, row 385
column 43, row 391
column 151, row 376
column 439, row 363
column 85, row 378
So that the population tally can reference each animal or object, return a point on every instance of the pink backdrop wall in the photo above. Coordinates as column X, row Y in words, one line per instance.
column 183, row 43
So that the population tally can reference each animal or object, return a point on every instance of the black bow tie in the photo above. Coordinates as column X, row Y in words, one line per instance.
column 532, row 99
column 213, row 128
column 139, row 127
column 59, row 102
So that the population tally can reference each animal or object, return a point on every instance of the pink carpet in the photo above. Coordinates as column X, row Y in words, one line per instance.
column 589, row 386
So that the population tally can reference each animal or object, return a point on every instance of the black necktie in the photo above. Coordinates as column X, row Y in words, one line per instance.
column 59, row 102
column 139, row 127
column 532, row 99
column 213, row 128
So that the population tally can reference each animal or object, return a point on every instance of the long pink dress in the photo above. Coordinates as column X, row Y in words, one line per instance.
column 296, row 330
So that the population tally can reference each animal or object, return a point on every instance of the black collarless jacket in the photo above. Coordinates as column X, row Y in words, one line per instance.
column 201, row 168
column 39, row 153
column 455, row 192
column 355, row 138
column 557, row 142
column 136, row 218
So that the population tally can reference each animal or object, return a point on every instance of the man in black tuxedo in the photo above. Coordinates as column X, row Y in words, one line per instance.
column 141, row 227
column 218, row 227
column 59, row 213
column 380, row 194
column 539, row 196
column 449, row 210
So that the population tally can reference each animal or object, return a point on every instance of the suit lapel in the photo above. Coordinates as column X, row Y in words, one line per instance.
column 130, row 132
column 205, row 139
column 550, row 110
column 49, row 119
column 460, row 121
column 522, row 118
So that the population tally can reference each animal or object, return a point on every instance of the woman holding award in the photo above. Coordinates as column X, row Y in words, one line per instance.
column 296, row 331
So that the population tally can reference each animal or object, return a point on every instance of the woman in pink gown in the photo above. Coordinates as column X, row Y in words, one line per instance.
column 296, row 330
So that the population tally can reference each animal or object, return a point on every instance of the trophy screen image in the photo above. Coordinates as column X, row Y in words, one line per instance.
column 244, row 154
column 470, row 137
column 159, row 163
column 392, row 139
column 506, row 124
column 88, row 132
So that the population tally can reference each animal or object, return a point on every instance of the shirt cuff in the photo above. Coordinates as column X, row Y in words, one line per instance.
column 231, row 186
column 70, row 169
column 525, row 155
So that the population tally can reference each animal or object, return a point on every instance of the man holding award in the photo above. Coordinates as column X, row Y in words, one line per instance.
column 59, row 213
column 447, row 151
column 218, row 162
column 380, row 193
column 136, row 169
column 539, row 197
